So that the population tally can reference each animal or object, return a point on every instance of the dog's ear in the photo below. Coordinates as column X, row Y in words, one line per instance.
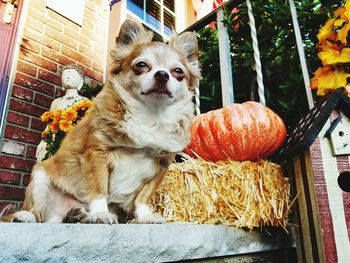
column 187, row 45
column 130, row 34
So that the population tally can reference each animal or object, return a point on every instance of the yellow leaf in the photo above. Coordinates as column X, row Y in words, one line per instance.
column 339, row 22
column 347, row 10
column 340, row 12
column 343, row 33
column 326, row 31
column 331, row 56
column 326, row 79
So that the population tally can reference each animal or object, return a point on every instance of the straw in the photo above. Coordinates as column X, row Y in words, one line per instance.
column 242, row 194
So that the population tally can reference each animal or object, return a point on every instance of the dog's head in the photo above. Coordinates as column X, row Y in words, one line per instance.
column 153, row 71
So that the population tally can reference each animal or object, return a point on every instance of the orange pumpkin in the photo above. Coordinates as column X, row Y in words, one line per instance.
column 247, row 131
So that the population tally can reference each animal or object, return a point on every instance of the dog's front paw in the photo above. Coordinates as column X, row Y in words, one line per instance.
column 102, row 218
column 24, row 217
column 75, row 215
column 154, row 218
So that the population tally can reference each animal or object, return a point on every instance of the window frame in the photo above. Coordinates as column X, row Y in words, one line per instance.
column 163, row 9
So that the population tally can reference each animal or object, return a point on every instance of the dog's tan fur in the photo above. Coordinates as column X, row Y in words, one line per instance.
column 124, row 138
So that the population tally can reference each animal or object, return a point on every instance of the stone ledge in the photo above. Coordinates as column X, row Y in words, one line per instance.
column 131, row 242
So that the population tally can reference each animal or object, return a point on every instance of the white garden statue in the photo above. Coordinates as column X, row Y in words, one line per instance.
column 72, row 81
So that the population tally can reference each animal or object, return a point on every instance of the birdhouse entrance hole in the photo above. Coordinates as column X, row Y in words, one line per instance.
column 344, row 181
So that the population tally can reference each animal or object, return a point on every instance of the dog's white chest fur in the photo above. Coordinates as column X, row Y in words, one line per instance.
column 161, row 129
column 131, row 170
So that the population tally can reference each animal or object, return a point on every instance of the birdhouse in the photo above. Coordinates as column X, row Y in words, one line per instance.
column 339, row 135
column 317, row 154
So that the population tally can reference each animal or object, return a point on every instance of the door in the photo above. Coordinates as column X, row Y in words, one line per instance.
column 8, row 33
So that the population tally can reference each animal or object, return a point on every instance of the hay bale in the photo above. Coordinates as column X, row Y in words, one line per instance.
column 241, row 194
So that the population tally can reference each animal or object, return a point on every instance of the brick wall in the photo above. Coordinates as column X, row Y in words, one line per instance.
column 49, row 41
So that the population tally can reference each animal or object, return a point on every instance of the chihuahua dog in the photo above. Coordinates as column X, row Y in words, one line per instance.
column 117, row 156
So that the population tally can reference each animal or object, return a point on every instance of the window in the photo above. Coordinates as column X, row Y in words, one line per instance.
column 157, row 14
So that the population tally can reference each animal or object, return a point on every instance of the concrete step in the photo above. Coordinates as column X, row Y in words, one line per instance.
column 132, row 242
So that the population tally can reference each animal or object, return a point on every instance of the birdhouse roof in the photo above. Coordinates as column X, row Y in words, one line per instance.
column 310, row 125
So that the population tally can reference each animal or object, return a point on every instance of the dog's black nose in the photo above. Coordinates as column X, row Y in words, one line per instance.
column 161, row 76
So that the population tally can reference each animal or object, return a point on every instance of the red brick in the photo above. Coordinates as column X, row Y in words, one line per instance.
column 49, row 77
column 41, row 39
column 90, row 5
column 24, row 107
column 59, row 92
column 18, row 119
column 97, row 66
column 34, row 24
column 76, row 56
column 99, row 57
column 50, row 32
column 39, row 6
column 4, row 204
column 42, row 100
column 34, row 84
column 22, row 93
column 38, row 125
column 34, row 13
column 30, row 45
column 86, row 37
column 88, row 24
column 86, row 51
column 55, row 56
column 71, row 33
column 26, row 179
column 92, row 74
column 11, row 193
column 48, row 20
column 101, row 31
column 31, row 152
column 94, row 83
column 37, row 60
column 21, row 134
column 89, row 14
column 99, row 47
column 26, row 68
column 10, row 177
column 14, row 163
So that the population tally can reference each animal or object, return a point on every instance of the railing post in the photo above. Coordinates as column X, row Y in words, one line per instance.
column 225, row 61
column 301, row 52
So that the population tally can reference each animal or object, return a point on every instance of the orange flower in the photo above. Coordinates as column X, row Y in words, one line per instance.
column 54, row 127
column 326, row 79
column 47, row 116
column 58, row 114
column 65, row 125
column 83, row 105
column 69, row 114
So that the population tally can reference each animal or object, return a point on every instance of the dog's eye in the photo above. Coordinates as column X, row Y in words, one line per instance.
column 141, row 64
column 179, row 71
